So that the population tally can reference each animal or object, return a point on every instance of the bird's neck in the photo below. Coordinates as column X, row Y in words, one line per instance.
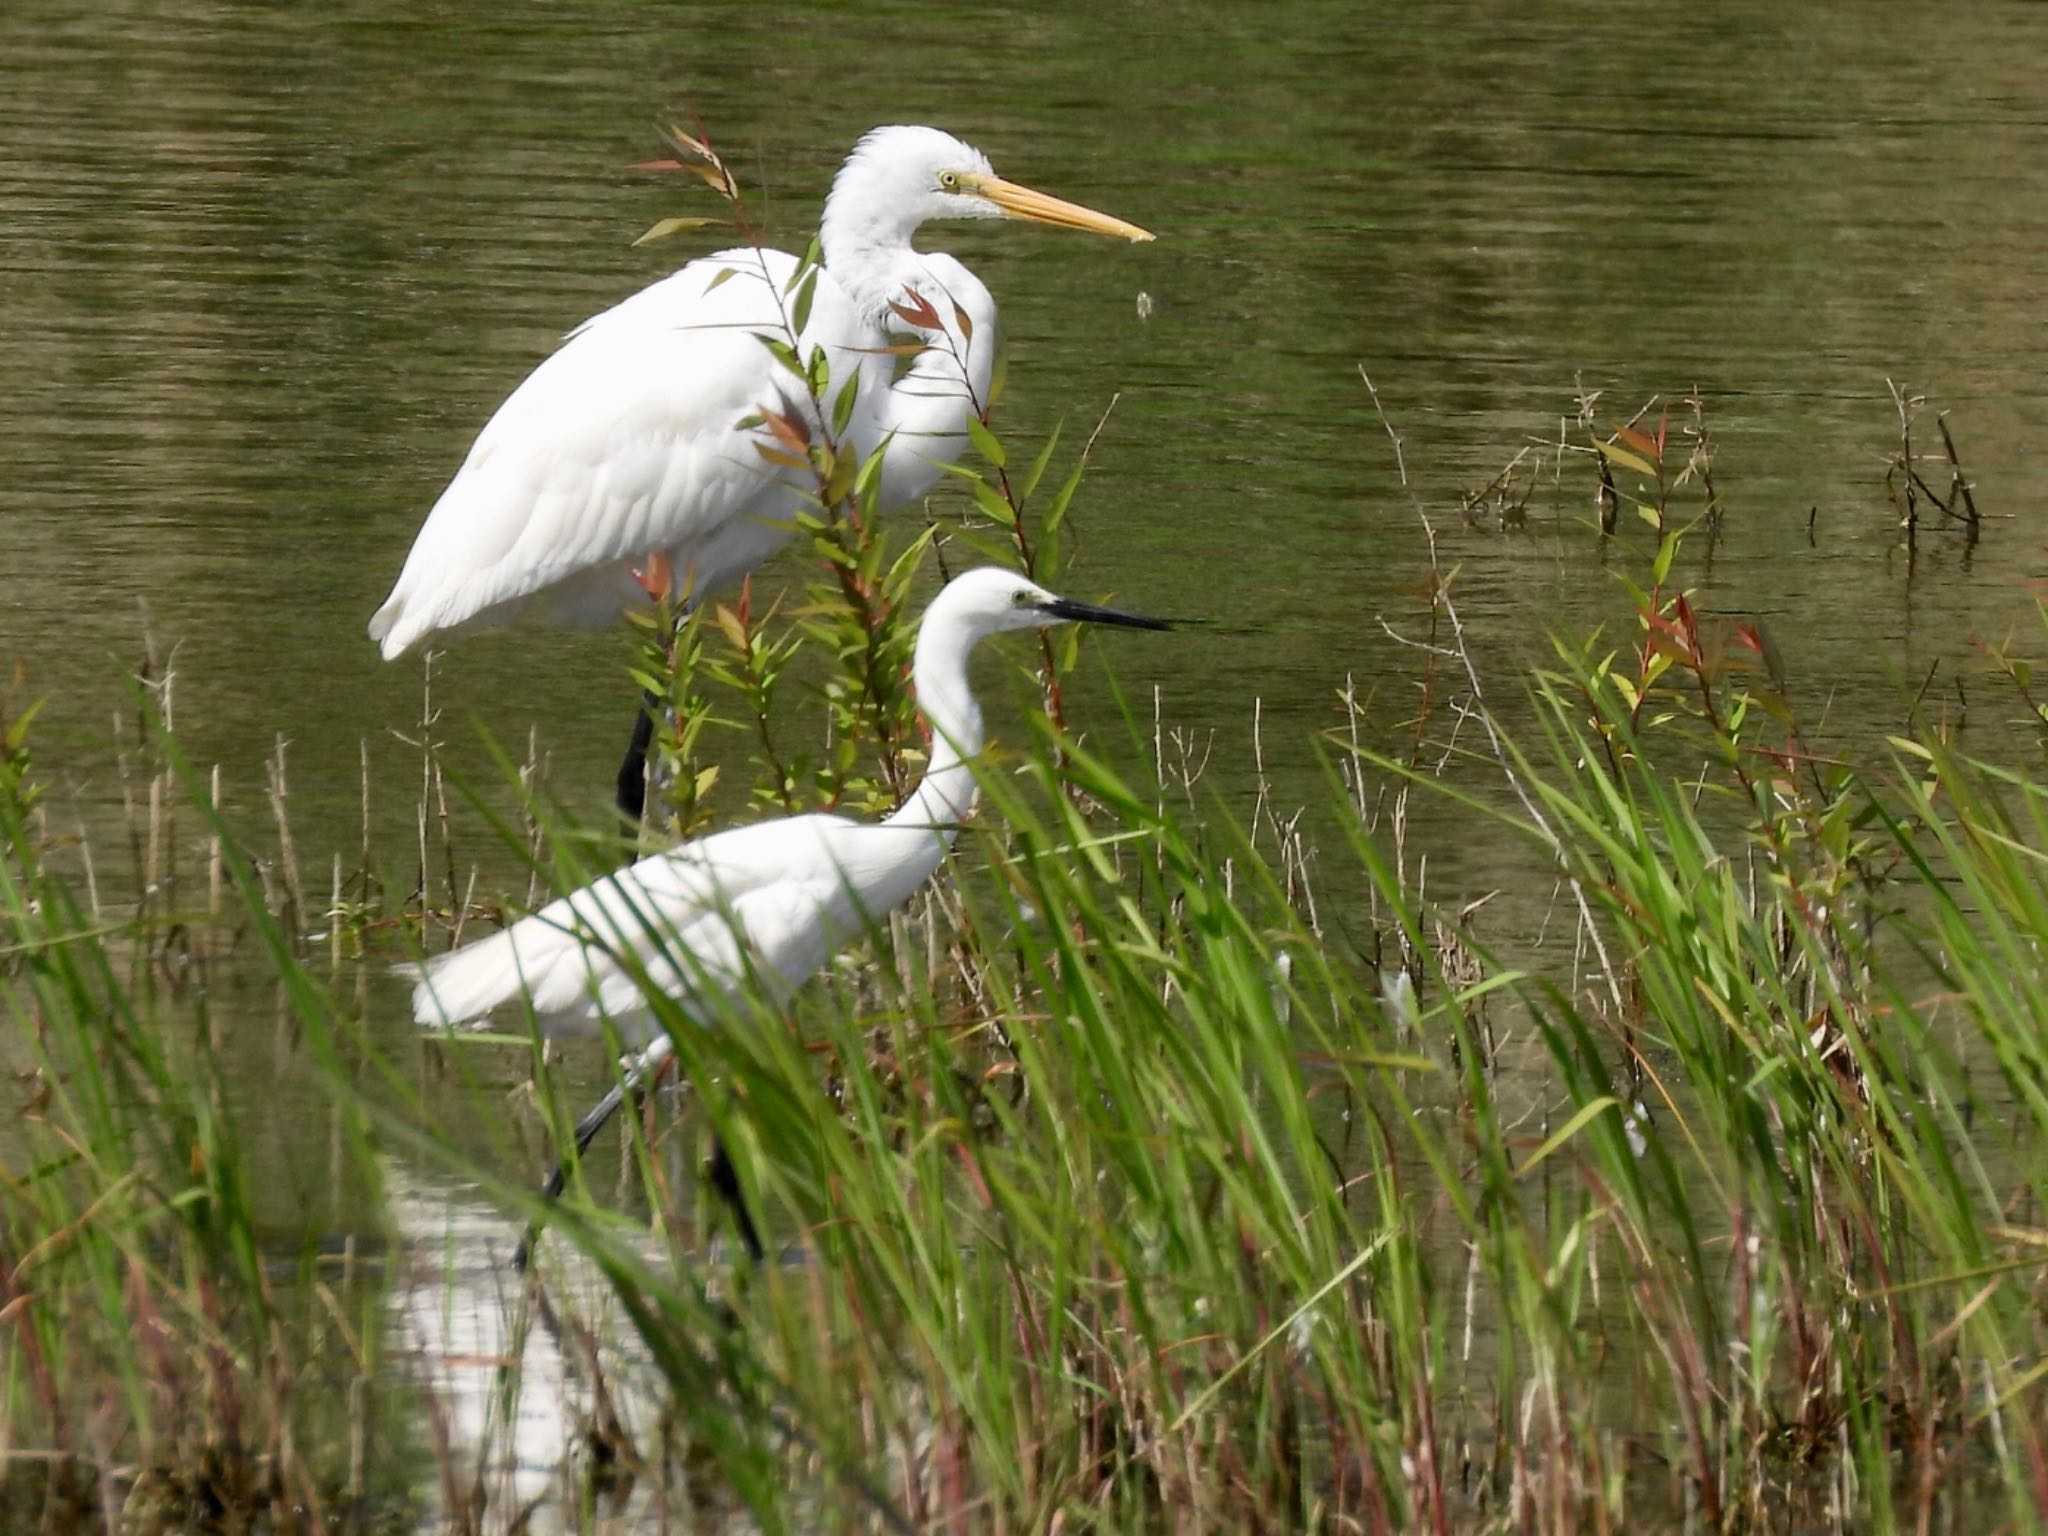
column 944, row 797
column 872, row 262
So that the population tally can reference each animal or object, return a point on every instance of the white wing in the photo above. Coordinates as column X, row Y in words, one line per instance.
column 924, row 415
column 627, row 442
column 764, row 903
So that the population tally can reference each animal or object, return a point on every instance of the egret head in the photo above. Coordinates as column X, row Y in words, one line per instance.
column 990, row 600
column 900, row 177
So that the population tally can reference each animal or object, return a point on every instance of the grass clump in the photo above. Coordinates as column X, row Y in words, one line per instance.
column 165, row 1364
column 1154, row 1172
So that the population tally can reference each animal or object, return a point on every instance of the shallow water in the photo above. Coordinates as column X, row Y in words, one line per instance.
column 264, row 272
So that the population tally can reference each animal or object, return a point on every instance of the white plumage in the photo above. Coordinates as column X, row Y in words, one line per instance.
column 627, row 444
column 766, row 904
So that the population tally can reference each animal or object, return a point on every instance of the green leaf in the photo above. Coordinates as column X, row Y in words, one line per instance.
column 1667, row 550
column 843, row 403
column 999, row 375
column 869, row 478
column 991, row 502
column 806, row 291
column 17, row 732
column 667, row 227
column 1623, row 457
column 907, row 563
column 985, row 442
column 1568, row 1130
column 781, row 351
column 1064, row 496
column 1908, row 745
column 464, row 1039
column 988, row 549
column 1038, row 464
column 839, row 476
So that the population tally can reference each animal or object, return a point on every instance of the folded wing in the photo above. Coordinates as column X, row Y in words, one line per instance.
column 625, row 442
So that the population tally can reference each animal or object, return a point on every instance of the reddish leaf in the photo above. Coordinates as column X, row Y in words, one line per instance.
column 916, row 311
column 1642, row 442
column 792, row 431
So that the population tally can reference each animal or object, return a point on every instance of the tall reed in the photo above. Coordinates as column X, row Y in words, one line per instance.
column 1133, row 1181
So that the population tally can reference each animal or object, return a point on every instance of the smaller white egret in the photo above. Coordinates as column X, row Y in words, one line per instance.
column 768, row 903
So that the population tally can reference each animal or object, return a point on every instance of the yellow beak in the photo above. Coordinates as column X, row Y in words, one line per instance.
column 1023, row 203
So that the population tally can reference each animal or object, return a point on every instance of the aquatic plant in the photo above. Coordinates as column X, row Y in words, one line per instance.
column 1167, row 1166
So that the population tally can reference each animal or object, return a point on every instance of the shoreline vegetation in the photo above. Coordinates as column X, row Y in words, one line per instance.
column 1158, row 1170
column 1124, row 1184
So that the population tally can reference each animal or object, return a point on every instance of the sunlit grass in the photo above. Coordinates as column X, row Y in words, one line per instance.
column 1117, row 1186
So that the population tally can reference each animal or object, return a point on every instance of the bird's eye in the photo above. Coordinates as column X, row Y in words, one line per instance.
column 950, row 180
column 1022, row 599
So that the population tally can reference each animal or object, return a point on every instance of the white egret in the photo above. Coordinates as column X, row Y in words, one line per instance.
column 768, row 903
column 637, row 455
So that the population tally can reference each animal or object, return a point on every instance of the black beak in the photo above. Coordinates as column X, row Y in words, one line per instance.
column 1089, row 613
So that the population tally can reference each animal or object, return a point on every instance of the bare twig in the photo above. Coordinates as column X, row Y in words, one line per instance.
column 1400, row 459
column 1460, row 651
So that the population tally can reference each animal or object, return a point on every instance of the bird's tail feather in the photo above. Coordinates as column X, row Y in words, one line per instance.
column 466, row 983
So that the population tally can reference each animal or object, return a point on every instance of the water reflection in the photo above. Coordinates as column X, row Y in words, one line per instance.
column 516, row 1414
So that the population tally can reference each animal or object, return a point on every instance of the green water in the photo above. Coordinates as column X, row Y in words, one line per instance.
column 264, row 271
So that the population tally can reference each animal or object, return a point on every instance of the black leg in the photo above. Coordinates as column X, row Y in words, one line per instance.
column 720, row 1169
column 656, row 1061
column 586, row 1132
column 727, row 1183
column 632, row 780
column 631, row 791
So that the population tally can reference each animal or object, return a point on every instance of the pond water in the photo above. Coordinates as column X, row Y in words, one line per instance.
column 265, row 270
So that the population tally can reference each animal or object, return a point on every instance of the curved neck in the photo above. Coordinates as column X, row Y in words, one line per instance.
column 865, row 231
column 944, row 797
column 873, row 265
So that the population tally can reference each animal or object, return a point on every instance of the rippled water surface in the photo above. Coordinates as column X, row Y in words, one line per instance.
column 264, row 271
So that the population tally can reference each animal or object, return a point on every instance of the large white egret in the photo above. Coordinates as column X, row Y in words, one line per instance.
column 766, row 904
column 637, row 457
